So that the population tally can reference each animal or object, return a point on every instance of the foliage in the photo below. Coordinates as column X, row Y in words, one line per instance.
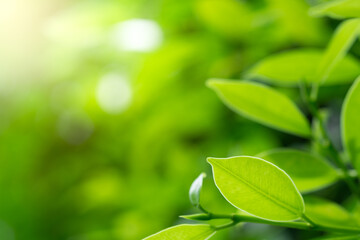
column 266, row 189
column 101, row 142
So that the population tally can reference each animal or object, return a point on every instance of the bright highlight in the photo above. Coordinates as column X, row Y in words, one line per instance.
column 138, row 35
column 114, row 93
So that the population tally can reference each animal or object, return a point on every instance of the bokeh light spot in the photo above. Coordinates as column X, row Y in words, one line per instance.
column 114, row 93
column 138, row 35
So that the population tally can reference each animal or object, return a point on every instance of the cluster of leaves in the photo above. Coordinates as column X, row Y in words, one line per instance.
column 268, row 188
column 77, row 161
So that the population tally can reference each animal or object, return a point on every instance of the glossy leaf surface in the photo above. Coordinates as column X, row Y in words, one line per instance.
column 262, row 104
column 257, row 187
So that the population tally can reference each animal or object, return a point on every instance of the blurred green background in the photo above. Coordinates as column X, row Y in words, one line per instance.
column 105, row 119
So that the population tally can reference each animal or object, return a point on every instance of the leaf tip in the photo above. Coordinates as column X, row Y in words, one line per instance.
column 210, row 160
column 197, row 217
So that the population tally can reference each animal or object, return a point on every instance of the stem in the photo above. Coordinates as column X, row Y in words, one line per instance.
column 334, row 154
column 306, row 219
column 227, row 225
column 203, row 209
column 297, row 225
column 307, row 224
column 327, row 143
column 314, row 92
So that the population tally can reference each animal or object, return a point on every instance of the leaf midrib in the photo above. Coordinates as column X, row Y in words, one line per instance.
column 284, row 205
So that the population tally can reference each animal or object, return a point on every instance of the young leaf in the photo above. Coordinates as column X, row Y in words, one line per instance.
column 337, row 9
column 195, row 189
column 290, row 67
column 184, row 232
column 343, row 39
column 326, row 213
column 262, row 104
column 309, row 172
column 197, row 217
column 257, row 187
column 350, row 124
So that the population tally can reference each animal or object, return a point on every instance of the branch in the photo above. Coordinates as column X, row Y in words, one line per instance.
column 238, row 218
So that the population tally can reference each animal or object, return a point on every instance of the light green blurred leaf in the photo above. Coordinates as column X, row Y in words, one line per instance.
column 352, row 204
column 257, row 187
column 184, row 232
column 344, row 37
column 291, row 67
column 309, row 172
column 228, row 17
column 195, row 189
column 327, row 213
column 197, row 217
column 350, row 124
column 262, row 104
column 337, row 9
column 294, row 20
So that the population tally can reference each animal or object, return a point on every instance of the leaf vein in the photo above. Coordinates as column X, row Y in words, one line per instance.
column 257, row 189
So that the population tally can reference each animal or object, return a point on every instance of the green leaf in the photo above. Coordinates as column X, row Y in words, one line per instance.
column 184, row 232
column 195, row 189
column 290, row 67
column 326, row 213
column 344, row 37
column 223, row 17
column 262, row 104
column 292, row 18
column 350, row 116
column 309, row 172
column 337, row 9
column 197, row 217
column 352, row 204
column 257, row 187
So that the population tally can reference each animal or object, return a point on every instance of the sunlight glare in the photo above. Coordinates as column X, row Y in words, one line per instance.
column 114, row 93
column 137, row 35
